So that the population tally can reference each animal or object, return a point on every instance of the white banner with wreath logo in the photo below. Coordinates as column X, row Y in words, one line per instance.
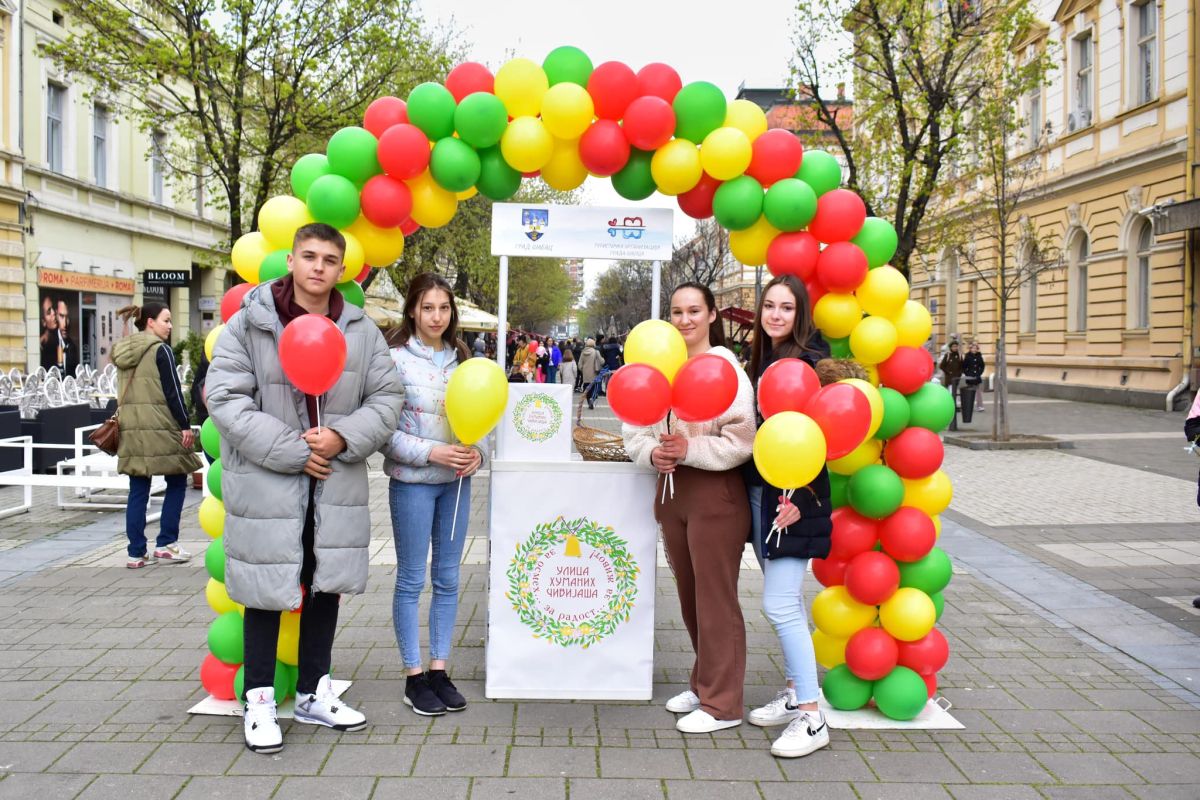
column 571, row 598
column 536, row 424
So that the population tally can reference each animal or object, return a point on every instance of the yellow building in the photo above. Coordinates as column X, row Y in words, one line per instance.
column 12, row 248
column 1115, row 132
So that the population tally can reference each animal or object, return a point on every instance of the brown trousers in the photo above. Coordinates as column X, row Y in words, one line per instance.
column 704, row 532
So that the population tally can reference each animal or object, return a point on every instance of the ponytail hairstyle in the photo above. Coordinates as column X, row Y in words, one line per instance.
column 716, row 333
column 140, row 315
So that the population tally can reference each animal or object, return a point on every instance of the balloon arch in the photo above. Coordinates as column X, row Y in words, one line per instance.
column 412, row 162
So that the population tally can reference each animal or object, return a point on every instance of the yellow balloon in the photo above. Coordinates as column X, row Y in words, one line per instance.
column 837, row 614
column 749, row 246
column 872, row 375
column 466, row 194
column 931, row 494
column 837, row 314
column 908, row 614
column 279, row 218
column 520, row 85
column 381, row 246
column 247, row 254
column 789, row 450
column 676, row 167
column 937, row 525
column 564, row 171
column 657, row 343
column 864, row 455
column 883, row 292
column 746, row 117
column 475, row 398
column 873, row 340
column 212, row 516
column 210, row 341
column 913, row 324
column 287, row 649
column 433, row 206
column 567, row 110
column 873, row 397
column 218, row 599
column 725, row 153
column 526, row 144
column 829, row 650
column 354, row 259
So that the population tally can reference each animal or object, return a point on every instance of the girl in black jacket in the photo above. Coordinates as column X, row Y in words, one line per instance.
column 972, row 370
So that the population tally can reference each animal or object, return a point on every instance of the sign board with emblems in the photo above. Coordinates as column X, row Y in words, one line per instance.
column 536, row 424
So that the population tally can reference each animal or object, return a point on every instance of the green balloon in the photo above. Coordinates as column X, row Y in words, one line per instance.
column 285, row 687
column 895, row 413
column 931, row 407
column 454, row 164
column 351, row 154
column 838, row 348
column 901, row 694
column 431, row 108
column 931, row 574
column 634, row 181
column 567, row 64
column 837, row 489
column 214, row 559
column 497, row 180
column 875, row 491
column 306, row 170
column 210, row 438
column 699, row 110
column 480, row 119
column 352, row 293
column 225, row 638
column 333, row 199
column 293, row 677
column 790, row 204
column 738, row 203
column 273, row 266
column 939, row 605
column 844, row 690
column 820, row 170
column 214, row 478
column 877, row 238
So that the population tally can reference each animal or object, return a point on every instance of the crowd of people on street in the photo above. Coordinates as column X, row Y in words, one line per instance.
column 582, row 364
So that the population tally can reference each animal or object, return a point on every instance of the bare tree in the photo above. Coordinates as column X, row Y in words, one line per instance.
column 702, row 258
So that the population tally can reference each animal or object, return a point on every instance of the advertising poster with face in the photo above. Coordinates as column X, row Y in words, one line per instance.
column 58, row 338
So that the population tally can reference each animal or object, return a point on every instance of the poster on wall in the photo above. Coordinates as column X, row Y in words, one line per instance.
column 58, row 337
column 536, row 424
column 110, row 327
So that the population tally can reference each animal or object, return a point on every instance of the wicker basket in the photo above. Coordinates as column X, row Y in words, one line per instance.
column 595, row 444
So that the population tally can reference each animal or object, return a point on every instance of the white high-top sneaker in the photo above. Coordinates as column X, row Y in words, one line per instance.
column 324, row 708
column 259, row 724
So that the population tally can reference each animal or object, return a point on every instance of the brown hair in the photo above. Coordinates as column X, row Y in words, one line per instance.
column 140, row 315
column 319, row 230
column 716, row 333
column 417, row 287
column 802, row 330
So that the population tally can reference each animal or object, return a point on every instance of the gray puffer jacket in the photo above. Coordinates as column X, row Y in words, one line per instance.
column 261, row 418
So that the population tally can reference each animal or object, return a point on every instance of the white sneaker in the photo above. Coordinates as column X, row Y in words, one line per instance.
column 683, row 702
column 780, row 710
column 324, row 708
column 259, row 724
column 700, row 721
column 806, row 734
column 171, row 554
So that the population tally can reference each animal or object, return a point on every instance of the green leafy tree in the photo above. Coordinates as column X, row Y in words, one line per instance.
column 539, row 292
column 621, row 298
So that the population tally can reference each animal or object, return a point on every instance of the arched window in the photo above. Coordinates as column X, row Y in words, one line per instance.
column 1029, row 292
column 1078, row 252
column 1139, row 275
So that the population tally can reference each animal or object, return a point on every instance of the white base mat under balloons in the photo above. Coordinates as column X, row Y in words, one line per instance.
column 232, row 708
column 934, row 717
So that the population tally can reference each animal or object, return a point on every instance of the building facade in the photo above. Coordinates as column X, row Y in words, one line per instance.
column 12, row 194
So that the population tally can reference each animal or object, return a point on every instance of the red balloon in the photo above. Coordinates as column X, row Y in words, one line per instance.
column 840, row 216
column 639, row 394
column 926, row 655
column 704, row 388
column 383, row 113
column 613, row 86
column 908, row 534
column 232, row 300
column 409, row 227
column 386, row 201
column 794, row 253
column 363, row 273
column 697, row 201
column 649, row 122
column 469, row 77
column 841, row 267
column 815, row 291
column 777, row 154
column 844, row 416
column 659, row 80
column 829, row 571
column 907, row 369
column 403, row 151
column 930, row 684
column 786, row 385
column 312, row 352
column 871, row 653
column 603, row 148
column 853, row 534
column 217, row 677
column 914, row 453
column 872, row 577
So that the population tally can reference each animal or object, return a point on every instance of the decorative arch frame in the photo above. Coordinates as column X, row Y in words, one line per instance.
column 1075, row 237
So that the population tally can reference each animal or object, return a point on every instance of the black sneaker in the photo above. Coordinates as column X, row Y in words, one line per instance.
column 446, row 691
column 420, row 697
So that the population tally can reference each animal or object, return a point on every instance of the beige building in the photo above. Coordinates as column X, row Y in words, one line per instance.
column 1114, row 133
column 12, row 247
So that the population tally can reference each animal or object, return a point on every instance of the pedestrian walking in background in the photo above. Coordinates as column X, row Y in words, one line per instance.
column 611, row 350
column 479, row 346
column 555, row 361
column 951, row 367
column 543, row 361
column 972, row 370
column 520, row 354
column 590, row 365
column 570, row 370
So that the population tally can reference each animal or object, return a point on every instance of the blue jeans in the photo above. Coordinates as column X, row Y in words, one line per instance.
column 135, row 513
column 422, row 515
column 551, row 374
column 783, row 605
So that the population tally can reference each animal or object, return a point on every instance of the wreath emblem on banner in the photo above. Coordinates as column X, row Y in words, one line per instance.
column 563, row 541
column 553, row 409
